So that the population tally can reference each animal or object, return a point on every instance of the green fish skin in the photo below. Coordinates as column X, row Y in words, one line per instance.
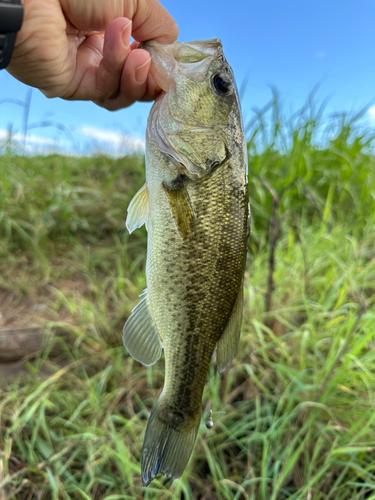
column 195, row 206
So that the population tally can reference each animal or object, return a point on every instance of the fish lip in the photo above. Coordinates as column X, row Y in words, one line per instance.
column 211, row 48
column 152, row 46
column 142, row 45
column 163, row 52
column 162, row 62
column 146, row 44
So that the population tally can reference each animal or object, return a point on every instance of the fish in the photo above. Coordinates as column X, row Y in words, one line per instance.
column 195, row 205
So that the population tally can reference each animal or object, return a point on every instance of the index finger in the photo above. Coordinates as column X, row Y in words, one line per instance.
column 153, row 22
column 150, row 20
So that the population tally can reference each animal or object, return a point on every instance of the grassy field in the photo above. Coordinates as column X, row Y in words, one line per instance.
column 297, row 405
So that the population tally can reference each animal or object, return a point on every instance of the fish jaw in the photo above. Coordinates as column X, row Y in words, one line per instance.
column 191, row 58
column 162, row 62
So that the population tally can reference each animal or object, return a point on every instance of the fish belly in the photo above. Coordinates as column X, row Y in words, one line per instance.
column 193, row 284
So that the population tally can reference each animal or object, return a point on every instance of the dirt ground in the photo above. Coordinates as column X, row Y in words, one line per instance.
column 18, row 311
column 21, row 326
column 11, row 370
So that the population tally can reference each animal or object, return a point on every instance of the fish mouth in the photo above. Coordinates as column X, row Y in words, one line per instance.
column 144, row 45
column 162, row 62
column 211, row 47
column 165, row 58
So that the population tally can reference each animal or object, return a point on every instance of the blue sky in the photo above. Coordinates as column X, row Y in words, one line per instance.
column 290, row 44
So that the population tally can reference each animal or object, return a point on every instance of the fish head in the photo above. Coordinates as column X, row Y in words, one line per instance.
column 191, row 120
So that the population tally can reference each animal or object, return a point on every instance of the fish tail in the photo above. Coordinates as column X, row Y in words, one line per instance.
column 168, row 443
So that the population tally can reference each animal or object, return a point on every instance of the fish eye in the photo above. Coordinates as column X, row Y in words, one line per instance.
column 221, row 84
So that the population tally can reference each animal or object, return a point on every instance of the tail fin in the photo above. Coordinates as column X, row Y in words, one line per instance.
column 168, row 443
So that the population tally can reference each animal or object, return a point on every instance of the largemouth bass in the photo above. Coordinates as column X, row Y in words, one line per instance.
column 195, row 206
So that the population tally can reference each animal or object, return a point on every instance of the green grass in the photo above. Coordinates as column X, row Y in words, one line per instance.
column 299, row 398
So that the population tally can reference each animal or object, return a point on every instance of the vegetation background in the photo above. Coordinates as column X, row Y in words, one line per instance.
column 297, row 406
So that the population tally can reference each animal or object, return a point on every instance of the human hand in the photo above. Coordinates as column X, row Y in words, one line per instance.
column 80, row 49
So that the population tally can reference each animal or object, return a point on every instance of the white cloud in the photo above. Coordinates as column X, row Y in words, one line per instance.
column 371, row 113
column 36, row 140
column 109, row 142
column 113, row 139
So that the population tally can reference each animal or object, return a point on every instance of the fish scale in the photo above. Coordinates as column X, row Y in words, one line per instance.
column 197, row 219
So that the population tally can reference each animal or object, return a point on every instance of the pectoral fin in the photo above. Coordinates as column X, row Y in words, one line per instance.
column 140, row 336
column 227, row 345
column 138, row 210
column 181, row 208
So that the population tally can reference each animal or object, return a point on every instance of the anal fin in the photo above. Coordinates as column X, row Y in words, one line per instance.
column 140, row 336
column 227, row 345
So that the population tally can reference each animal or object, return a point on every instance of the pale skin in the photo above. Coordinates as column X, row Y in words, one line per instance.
column 80, row 49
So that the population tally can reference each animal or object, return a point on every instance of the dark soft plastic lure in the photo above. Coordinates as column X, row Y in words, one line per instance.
column 195, row 206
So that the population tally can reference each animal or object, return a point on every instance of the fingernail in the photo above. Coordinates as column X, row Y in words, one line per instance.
column 126, row 33
column 142, row 72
